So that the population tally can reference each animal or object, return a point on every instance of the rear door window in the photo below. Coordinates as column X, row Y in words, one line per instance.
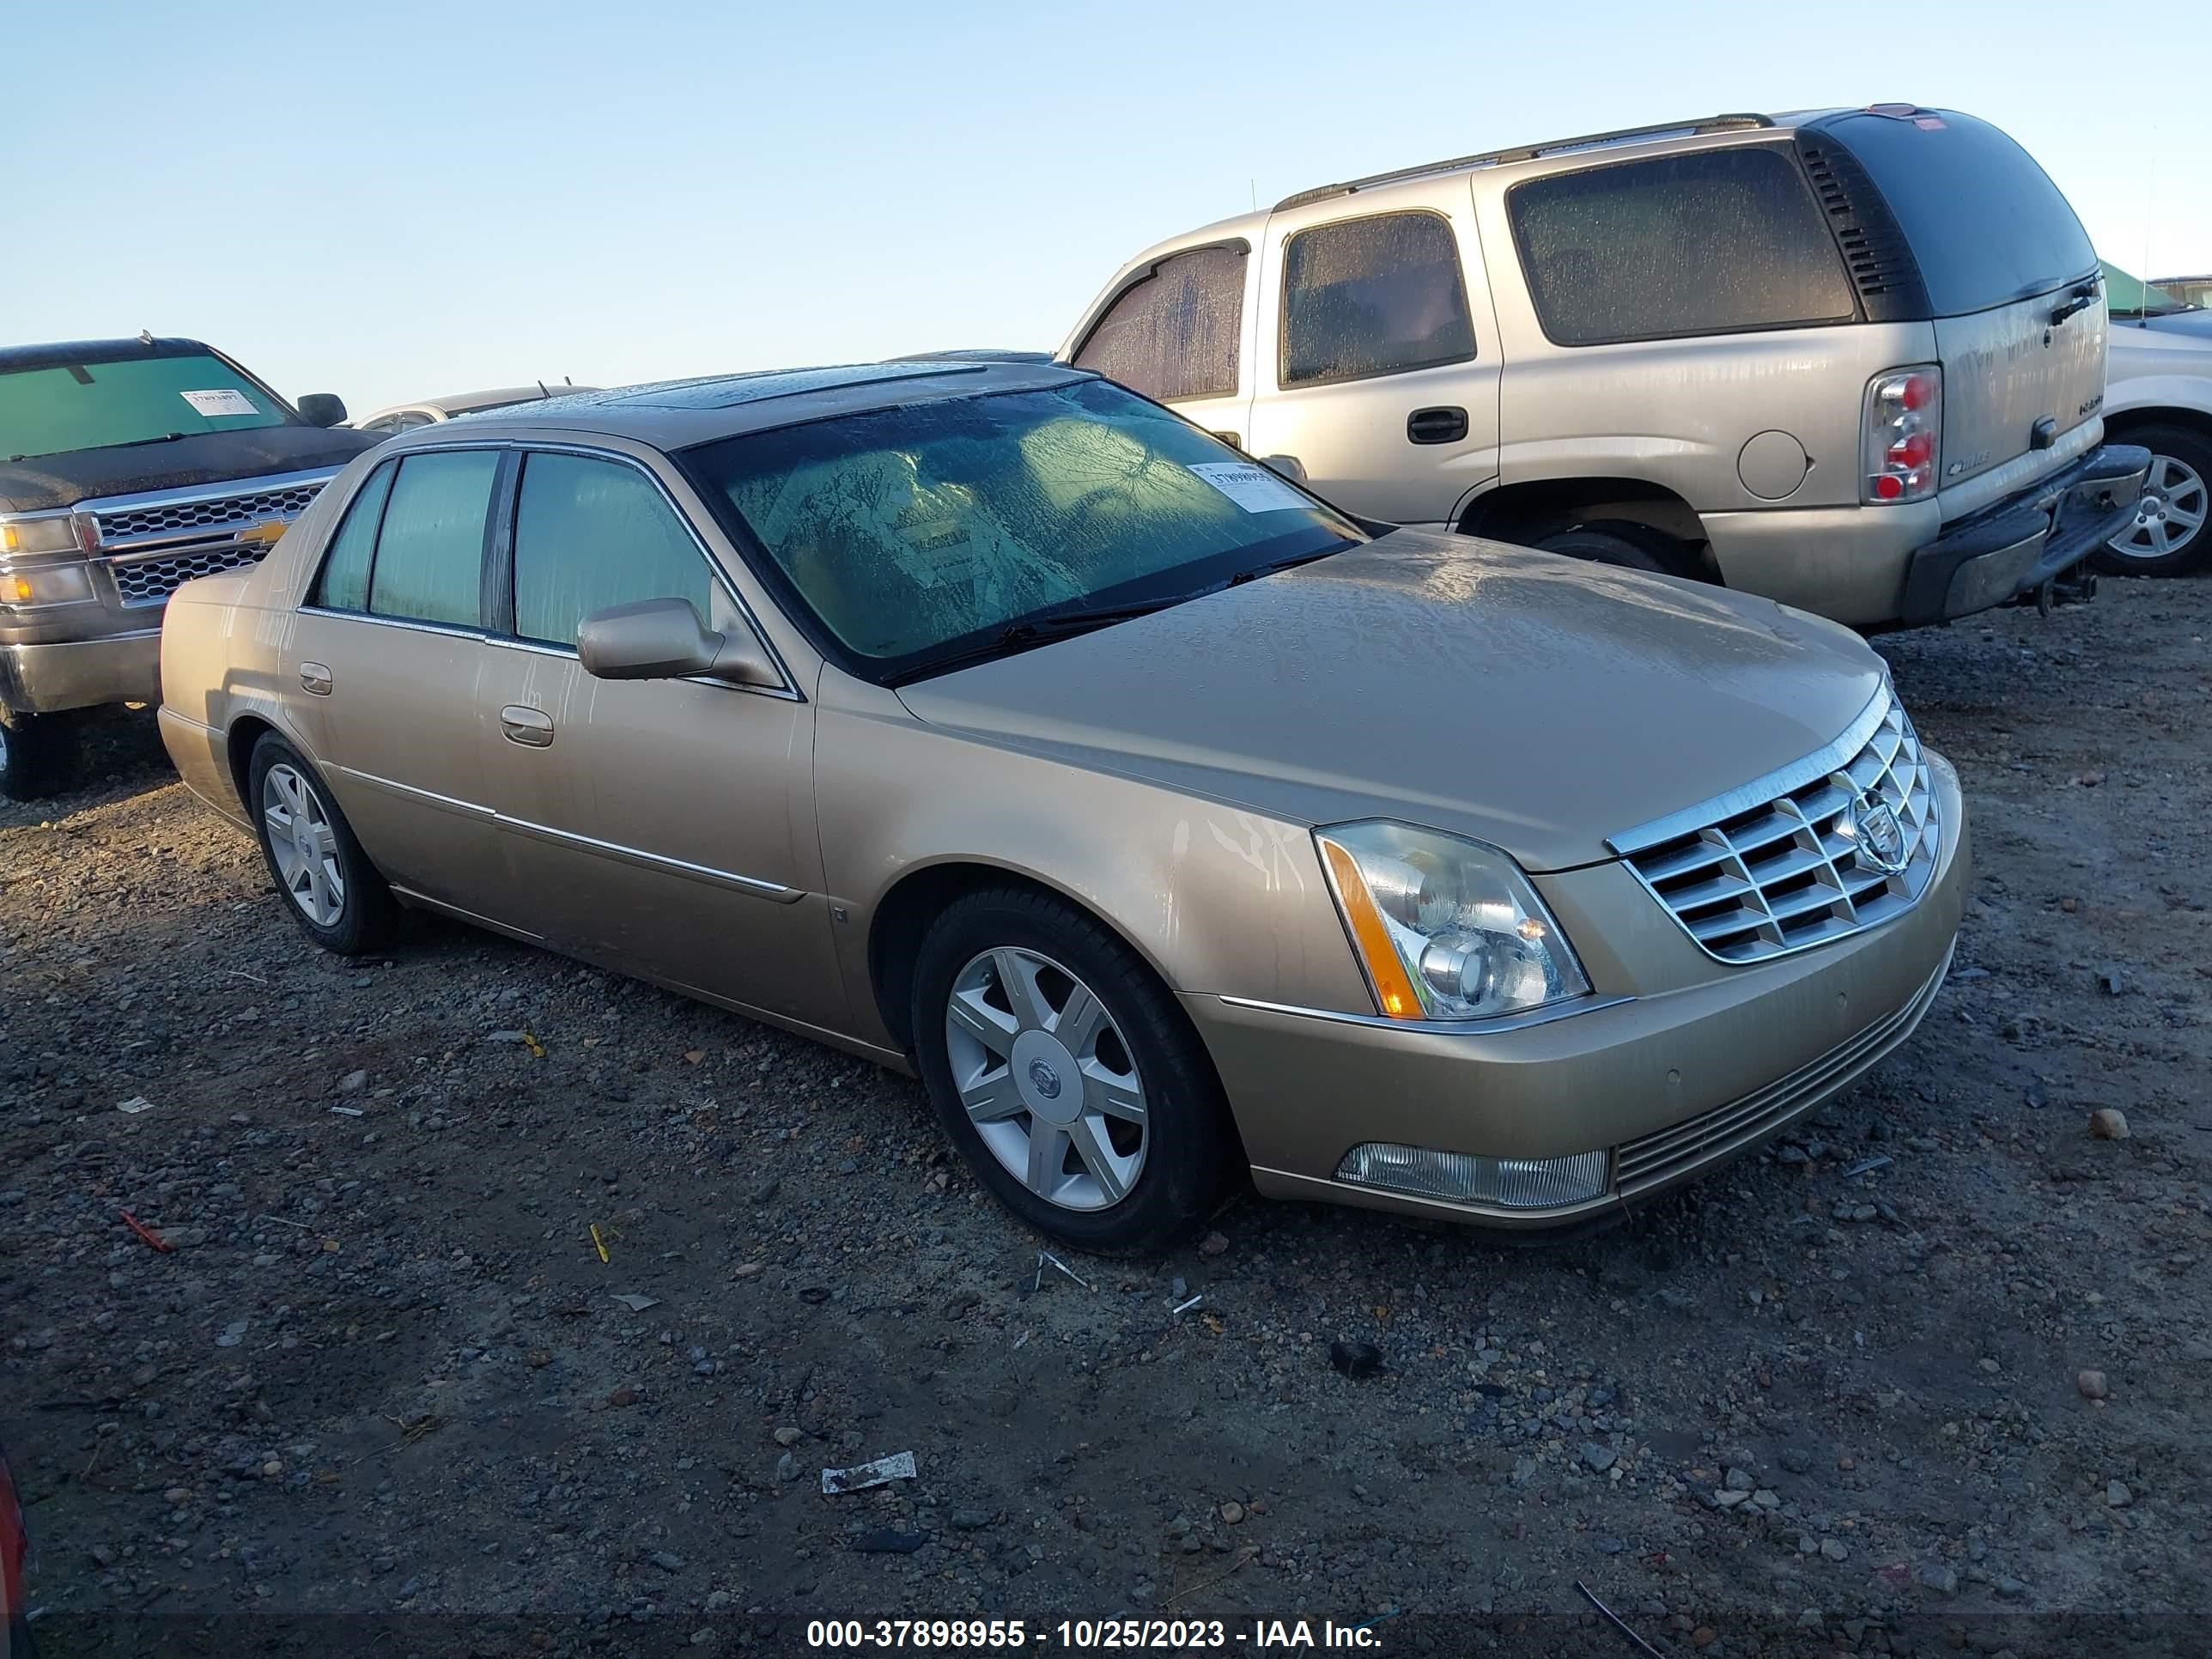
column 1378, row 295
column 1176, row 334
column 589, row 534
column 1986, row 225
column 1718, row 242
column 344, row 584
column 429, row 553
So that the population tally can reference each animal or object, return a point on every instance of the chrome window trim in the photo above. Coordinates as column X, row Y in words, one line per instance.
column 447, row 628
column 1500, row 1023
column 788, row 691
column 1759, row 791
column 537, row 648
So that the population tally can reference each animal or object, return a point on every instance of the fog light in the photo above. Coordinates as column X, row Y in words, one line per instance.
column 1517, row 1183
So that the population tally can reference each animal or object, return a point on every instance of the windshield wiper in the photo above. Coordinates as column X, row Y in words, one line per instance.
column 138, row 443
column 1040, row 630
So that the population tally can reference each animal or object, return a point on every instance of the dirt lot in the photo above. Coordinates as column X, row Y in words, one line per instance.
column 385, row 1371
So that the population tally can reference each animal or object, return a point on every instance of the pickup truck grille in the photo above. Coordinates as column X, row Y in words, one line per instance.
column 150, row 582
column 179, row 519
column 1795, row 865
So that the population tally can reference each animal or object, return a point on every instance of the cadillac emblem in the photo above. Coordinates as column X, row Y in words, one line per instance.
column 1879, row 837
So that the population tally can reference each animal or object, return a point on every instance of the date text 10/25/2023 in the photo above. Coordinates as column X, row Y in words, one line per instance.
column 1173, row 1635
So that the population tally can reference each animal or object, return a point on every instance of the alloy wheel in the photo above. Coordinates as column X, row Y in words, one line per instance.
column 2172, row 513
column 303, row 845
column 1047, row 1079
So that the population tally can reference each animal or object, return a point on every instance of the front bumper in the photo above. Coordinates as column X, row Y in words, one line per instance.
column 2019, row 543
column 45, row 679
column 1669, row 1084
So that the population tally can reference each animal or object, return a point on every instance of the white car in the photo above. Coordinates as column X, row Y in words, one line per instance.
column 405, row 418
column 2158, row 394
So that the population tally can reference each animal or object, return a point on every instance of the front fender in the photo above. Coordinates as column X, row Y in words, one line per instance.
column 1217, row 899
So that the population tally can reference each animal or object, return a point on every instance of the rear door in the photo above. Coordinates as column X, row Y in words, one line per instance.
column 386, row 652
column 2011, row 281
column 1380, row 363
column 1179, row 330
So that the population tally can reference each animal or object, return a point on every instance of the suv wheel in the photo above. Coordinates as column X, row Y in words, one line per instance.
column 1631, row 546
column 1068, row 1077
column 330, row 888
column 2168, row 536
column 38, row 753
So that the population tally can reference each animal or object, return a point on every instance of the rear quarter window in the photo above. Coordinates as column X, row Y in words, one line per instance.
column 1986, row 225
column 1717, row 241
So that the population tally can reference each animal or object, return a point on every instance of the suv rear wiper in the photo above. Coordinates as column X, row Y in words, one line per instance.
column 2083, row 295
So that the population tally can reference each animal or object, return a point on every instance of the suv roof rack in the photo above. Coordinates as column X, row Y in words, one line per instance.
column 1531, row 152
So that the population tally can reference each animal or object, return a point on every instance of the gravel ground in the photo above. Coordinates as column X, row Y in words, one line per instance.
column 385, row 1374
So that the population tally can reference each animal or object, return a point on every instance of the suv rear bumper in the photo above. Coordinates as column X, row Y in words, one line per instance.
column 45, row 679
column 2020, row 543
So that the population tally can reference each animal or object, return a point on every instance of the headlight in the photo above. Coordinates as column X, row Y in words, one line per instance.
column 55, row 532
column 45, row 584
column 1446, row 929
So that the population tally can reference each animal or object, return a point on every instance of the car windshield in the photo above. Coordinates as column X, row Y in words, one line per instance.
column 2131, row 296
column 939, row 532
column 97, row 405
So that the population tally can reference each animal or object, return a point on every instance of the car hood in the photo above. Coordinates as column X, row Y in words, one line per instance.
column 2185, row 324
column 203, row 457
column 1526, row 700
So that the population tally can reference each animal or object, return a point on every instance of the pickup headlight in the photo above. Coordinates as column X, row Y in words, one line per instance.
column 52, row 532
column 47, row 584
column 1446, row 929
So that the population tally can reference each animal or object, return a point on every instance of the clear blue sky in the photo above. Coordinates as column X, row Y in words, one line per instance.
column 395, row 200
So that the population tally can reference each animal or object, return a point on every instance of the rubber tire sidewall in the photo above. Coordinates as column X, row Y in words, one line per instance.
column 2193, row 449
column 1626, row 546
column 1191, row 1151
column 43, row 754
column 370, row 913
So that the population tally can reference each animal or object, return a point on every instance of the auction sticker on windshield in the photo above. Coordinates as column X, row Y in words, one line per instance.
column 213, row 404
column 1251, row 486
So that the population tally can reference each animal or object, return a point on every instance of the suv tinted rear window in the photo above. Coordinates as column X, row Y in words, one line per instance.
column 1986, row 224
column 1174, row 334
column 1718, row 242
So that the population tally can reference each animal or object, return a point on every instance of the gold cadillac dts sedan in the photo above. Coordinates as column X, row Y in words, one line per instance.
column 988, row 720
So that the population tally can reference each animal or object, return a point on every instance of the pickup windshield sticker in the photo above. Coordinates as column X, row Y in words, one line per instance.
column 1251, row 486
column 214, row 404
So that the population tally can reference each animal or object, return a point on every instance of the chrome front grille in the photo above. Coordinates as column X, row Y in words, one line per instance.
column 1791, row 863
column 182, row 519
column 150, row 582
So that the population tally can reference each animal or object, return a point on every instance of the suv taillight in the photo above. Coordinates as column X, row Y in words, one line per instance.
column 1903, row 435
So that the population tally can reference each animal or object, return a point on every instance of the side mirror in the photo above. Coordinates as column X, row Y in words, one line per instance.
column 322, row 408
column 664, row 640
column 1289, row 466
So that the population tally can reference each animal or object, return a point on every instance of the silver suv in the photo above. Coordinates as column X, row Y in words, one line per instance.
column 1851, row 360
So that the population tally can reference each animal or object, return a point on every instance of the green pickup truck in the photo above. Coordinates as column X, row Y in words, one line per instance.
column 127, row 468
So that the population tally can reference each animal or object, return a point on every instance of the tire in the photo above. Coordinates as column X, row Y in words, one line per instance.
column 1629, row 546
column 38, row 754
column 1096, row 1180
column 2173, row 534
column 328, row 884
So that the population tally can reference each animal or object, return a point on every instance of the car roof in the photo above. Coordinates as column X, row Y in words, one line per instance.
column 673, row 415
column 60, row 354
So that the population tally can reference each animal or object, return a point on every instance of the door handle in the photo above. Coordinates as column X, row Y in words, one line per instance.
column 527, row 726
column 315, row 678
column 1445, row 425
